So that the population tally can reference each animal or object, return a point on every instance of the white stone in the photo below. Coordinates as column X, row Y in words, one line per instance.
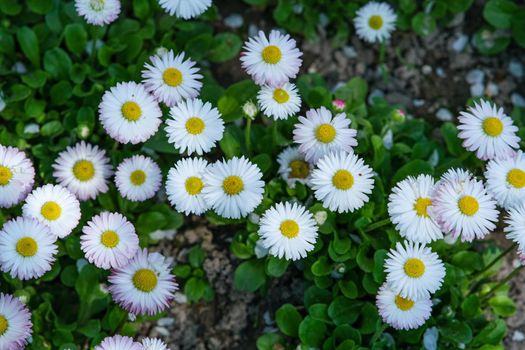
column 491, row 89
column 418, row 102
column 475, row 76
column 444, row 114
column 234, row 21
column 516, row 69
column 388, row 139
column 430, row 338
column 426, row 69
column 349, row 51
column 32, row 128
column 517, row 100
column 260, row 250
column 477, row 89
column 459, row 44
column 518, row 336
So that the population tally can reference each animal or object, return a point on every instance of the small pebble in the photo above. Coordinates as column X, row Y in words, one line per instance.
column 434, row 158
column 298, row 9
column 430, row 338
column 517, row 100
column 477, row 89
column 388, row 139
column 418, row 102
column 180, row 298
column 260, row 250
column 166, row 321
column 516, row 69
column 323, row 20
column 234, row 21
column 440, row 72
column 459, row 44
column 349, row 51
column 491, row 90
column 518, row 336
column 162, row 331
column 426, row 69
column 475, row 76
column 444, row 114
column 31, row 128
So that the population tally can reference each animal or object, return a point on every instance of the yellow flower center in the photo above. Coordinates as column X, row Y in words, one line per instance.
column 468, row 205
column 403, row 304
column 421, row 206
column 414, row 268
column 375, row 22
column 131, row 111
column 109, row 239
column 84, row 170
column 172, row 77
column 343, row 180
column 145, row 280
column 492, row 126
column 516, row 177
column 299, row 169
column 233, row 185
column 4, row 324
column 271, row 54
column 280, row 96
column 97, row 5
column 289, row 228
column 51, row 211
column 325, row 133
column 195, row 125
column 193, row 185
column 138, row 177
column 5, row 175
column 27, row 247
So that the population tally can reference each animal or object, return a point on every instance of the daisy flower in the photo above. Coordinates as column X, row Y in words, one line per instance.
column 414, row 271
column 342, row 181
column 234, row 187
column 129, row 114
column 288, row 230
column 98, row 12
column 15, row 323
column 185, row 9
column 464, row 209
column 27, row 248
column 17, row 176
column 293, row 168
column 402, row 313
column 144, row 285
column 119, row 342
column 375, row 21
column 138, row 178
column 171, row 78
column 456, row 175
column 153, row 344
column 515, row 229
column 279, row 102
column 506, row 180
column 84, row 170
column 319, row 134
column 194, row 126
column 409, row 209
column 272, row 61
column 488, row 131
column 185, row 184
column 109, row 240
column 55, row 207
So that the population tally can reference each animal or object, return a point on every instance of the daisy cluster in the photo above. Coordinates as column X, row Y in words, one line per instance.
column 457, row 206
column 119, row 342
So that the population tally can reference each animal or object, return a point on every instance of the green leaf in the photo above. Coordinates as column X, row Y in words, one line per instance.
column 288, row 319
column 499, row 13
column 321, row 267
column 40, row 6
column 492, row 334
column 225, row 47
column 502, row 305
column 450, row 135
column 90, row 329
column 29, row 44
column 343, row 310
column 57, row 63
column 196, row 256
column 268, row 341
column 150, row 222
column 423, row 24
column 76, row 38
column 413, row 168
column 470, row 306
column 456, row 331
column 276, row 267
column 312, row 332
column 249, row 276
column 195, row 288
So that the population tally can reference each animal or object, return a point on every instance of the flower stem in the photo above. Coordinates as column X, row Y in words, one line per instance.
column 502, row 282
column 377, row 225
column 496, row 259
column 248, row 136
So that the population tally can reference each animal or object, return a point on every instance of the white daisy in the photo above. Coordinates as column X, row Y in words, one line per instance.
column 413, row 270
column 375, row 21
column 138, row 178
column 506, row 180
column 456, row 175
column 27, row 248
column 119, row 342
column 272, row 61
column 17, row 176
column 464, row 209
column 144, row 285
column 319, row 134
column 153, row 344
column 515, row 229
column 409, row 209
column 109, row 240
column 98, row 12
column 293, row 168
column 15, row 323
column 288, row 230
column 55, row 207
column 84, row 170
column 194, row 126
column 129, row 114
column 488, row 131
column 234, row 187
column 402, row 313
column 185, row 9
column 185, row 184
column 279, row 102
column 342, row 181
column 171, row 79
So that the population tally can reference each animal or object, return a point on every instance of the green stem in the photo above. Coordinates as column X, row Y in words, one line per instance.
column 377, row 225
column 502, row 282
column 248, row 136
column 496, row 259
